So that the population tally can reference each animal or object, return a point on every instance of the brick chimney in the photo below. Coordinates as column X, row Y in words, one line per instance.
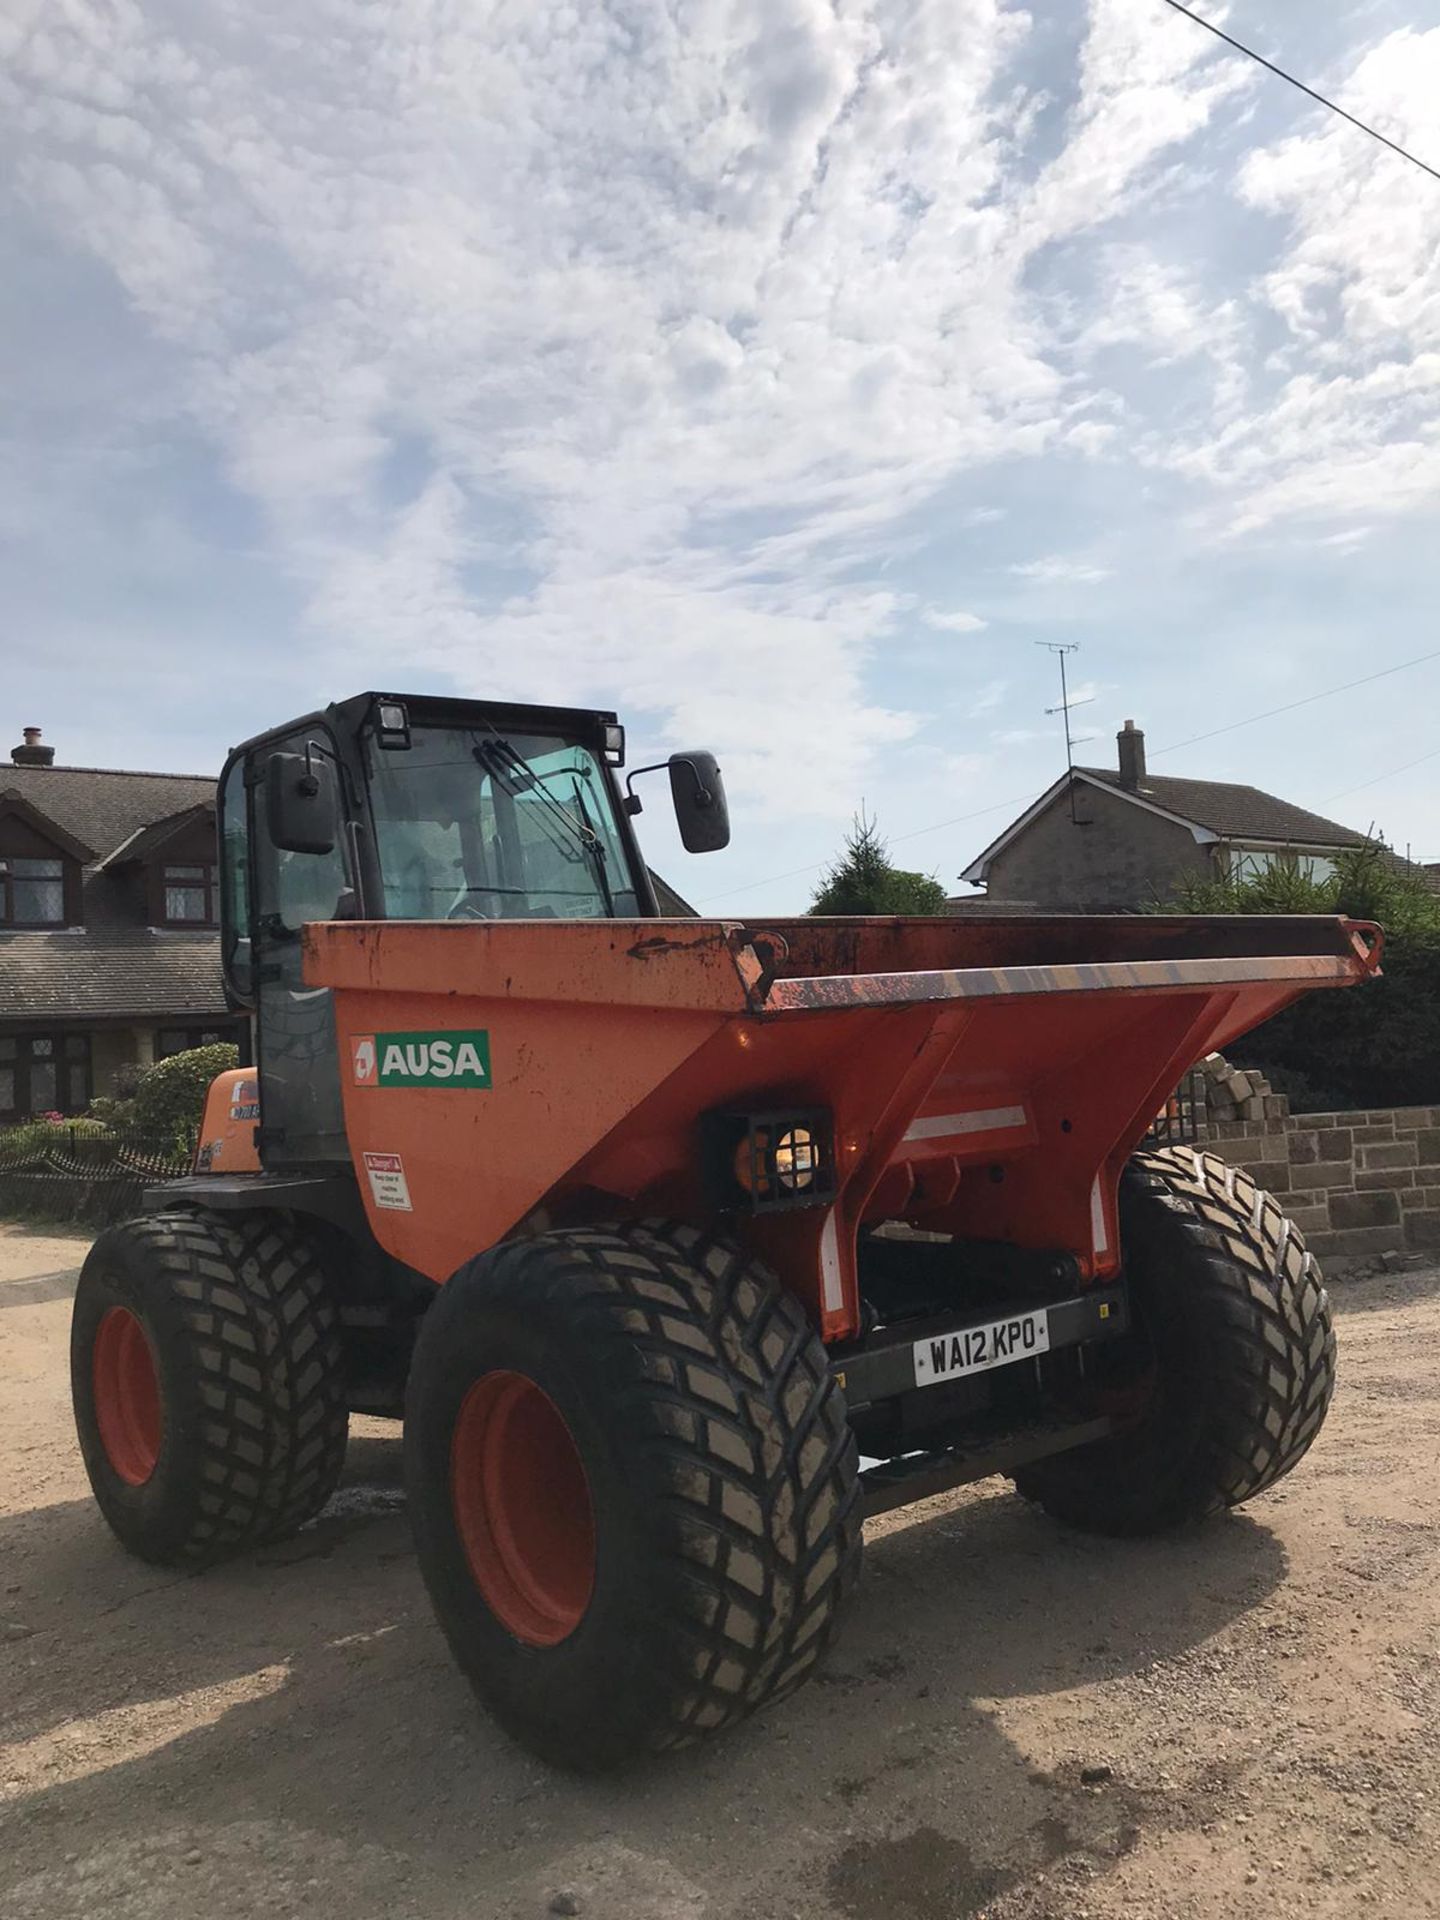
column 1131, row 742
column 32, row 754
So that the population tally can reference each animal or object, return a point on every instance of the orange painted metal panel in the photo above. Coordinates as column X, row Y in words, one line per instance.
column 227, row 1128
column 503, row 1073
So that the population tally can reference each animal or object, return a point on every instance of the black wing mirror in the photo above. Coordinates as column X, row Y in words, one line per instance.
column 302, row 807
column 701, row 810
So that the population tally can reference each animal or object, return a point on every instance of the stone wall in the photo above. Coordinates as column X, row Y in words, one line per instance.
column 1358, row 1185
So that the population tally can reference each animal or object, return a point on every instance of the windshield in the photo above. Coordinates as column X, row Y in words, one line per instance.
column 474, row 824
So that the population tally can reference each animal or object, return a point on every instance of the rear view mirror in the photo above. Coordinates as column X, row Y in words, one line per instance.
column 699, row 796
column 301, row 802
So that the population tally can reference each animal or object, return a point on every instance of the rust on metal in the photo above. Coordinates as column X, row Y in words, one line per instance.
column 973, row 983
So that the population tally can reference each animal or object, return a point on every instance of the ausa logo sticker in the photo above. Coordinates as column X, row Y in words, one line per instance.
column 444, row 1059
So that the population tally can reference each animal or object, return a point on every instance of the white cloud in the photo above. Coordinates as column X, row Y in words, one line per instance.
column 1060, row 569
column 1350, row 426
column 625, row 354
column 1347, row 541
column 990, row 697
column 619, row 287
column 956, row 622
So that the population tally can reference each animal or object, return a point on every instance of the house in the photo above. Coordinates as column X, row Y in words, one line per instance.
column 1103, row 841
column 109, row 949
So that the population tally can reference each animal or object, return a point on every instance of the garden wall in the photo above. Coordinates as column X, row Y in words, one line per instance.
column 1358, row 1185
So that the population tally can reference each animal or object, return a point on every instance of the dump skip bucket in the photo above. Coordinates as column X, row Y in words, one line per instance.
column 987, row 1079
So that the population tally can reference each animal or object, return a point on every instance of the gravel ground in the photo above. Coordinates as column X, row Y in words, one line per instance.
column 1018, row 1723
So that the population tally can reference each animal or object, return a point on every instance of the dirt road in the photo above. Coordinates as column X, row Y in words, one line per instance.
column 1018, row 1723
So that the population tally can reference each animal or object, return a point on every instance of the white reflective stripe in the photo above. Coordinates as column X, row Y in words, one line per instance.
column 940, row 1126
column 832, row 1287
column 1098, row 1232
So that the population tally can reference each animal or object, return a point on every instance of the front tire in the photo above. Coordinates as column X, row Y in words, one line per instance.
column 632, row 1485
column 1233, row 1356
column 208, row 1383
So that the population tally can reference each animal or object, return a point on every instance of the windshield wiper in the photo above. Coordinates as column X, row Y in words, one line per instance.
column 505, row 766
column 597, row 852
column 499, row 759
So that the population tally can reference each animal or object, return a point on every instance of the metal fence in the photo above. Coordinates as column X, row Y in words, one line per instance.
column 72, row 1172
column 1181, row 1121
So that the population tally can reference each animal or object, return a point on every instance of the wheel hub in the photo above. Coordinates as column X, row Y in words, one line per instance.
column 127, row 1396
column 522, row 1508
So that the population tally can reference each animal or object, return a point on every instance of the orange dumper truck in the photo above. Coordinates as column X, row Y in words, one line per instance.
column 680, row 1245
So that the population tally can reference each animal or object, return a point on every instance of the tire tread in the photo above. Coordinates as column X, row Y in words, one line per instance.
column 1271, row 1367
column 268, row 1370
column 723, row 1390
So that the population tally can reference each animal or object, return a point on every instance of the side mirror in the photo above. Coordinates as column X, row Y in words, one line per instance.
column 699, row 796
column 301, row 802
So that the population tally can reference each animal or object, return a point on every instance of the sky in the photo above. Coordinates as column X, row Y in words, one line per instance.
column 784, row 374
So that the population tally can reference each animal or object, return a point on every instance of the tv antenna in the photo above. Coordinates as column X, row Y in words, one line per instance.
column 1060, row 648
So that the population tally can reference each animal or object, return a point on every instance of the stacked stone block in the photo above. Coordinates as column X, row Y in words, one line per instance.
column 1363, row 1187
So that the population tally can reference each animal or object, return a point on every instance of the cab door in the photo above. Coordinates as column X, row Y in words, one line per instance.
column 301, row 1119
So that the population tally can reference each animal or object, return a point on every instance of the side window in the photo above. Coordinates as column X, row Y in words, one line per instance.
column 295, row 887
column 235, row 881
column 304, row 886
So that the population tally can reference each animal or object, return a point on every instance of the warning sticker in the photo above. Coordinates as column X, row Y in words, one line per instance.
column 388, row 1186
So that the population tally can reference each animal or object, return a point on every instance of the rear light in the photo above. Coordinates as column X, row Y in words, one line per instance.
column 614, row 745
column 768, row 1161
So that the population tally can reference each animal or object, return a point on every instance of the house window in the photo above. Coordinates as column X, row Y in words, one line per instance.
column 190, row 896
column 32, row 892
column 1251, row 863
column 181, row 1039
column 44, row 1073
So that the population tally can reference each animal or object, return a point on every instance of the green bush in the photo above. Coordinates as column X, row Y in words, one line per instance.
column 34, row 1136
column 170, row 1097
column 1377, row 1045
column 117, row 1115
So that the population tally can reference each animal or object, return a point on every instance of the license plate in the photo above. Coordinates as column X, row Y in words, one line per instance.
column 950, row 1356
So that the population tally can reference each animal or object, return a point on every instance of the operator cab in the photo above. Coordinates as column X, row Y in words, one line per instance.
column 399, row 807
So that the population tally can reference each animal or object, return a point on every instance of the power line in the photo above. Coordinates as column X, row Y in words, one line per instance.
column 1389, row 774
column 1028, row 799
column 1309, row 700
column 1280, row 73
column 891, row 840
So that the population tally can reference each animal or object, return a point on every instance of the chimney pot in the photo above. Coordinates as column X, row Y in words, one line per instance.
column 32, row 754
column 1131, row 742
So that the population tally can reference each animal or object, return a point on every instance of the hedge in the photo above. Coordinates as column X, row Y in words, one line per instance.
column 1375, row 1045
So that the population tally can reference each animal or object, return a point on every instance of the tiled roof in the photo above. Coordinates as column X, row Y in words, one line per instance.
column 1237, row 813
column 102, row 806
column 98, row 972
column 672, row 905
column 145, row 841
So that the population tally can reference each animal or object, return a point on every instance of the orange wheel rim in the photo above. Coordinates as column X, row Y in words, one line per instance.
column 522, row 1508
column 127, row 1396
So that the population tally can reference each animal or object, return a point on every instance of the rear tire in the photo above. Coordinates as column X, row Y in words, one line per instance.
column 681, row 1556
column 1234, row 1323
column 208, row 1383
